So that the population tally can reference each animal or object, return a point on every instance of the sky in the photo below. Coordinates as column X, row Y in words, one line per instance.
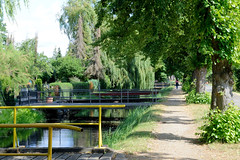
column 40, row 17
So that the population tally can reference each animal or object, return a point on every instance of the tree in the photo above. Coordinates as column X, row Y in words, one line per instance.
column 68, row 67
column 221, row 21
column 150, row 22
column 10, row 7
column 14, row 68
column 77, row 20
column 39, row 62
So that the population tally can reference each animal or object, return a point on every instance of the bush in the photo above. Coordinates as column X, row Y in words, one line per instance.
column 39, row 84
column 80, row 85
column 105, row 83
column 66, row 87
column 221, row 126
column 198, row 98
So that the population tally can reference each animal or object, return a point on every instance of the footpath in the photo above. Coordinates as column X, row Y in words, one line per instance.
column 175, row 134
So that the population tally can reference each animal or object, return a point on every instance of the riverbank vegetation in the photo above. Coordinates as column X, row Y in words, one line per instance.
column 23, row 116
column 134, row 132
column 223, row 150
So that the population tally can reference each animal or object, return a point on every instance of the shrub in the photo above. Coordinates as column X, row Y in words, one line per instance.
column 221, row 126
column 66, row 87
column 198, row 98
column 80, row 85
column 39, row 84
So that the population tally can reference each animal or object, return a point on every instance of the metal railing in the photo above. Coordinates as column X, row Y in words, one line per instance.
column 31, row 97
column 52, row 125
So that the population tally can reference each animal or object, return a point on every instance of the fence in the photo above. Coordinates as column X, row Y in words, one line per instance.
column 53, row 125
column 88, row 96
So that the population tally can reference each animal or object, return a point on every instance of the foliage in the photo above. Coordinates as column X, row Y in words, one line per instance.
column 198, row 98
column 221, row 126
column 80, row 85
column 115, row 76
column 187, row 85
column 64, row 87
column 138, row 73
column 23, row 116
column 38, row 61
column 95, row 83
column 10, row 7
column 141, row 73
column 14, row 69
column 68, row 67
column 78, row 20
column 39, row 84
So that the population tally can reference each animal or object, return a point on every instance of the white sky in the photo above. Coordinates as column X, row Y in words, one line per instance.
column 39, row 17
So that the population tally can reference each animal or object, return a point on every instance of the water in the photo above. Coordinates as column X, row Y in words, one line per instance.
column 63, row 138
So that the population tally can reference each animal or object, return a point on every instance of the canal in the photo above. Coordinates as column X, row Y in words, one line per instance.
column 29, row 138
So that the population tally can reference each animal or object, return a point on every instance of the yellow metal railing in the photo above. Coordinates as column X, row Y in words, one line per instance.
column 50, row 127
column 61, row 107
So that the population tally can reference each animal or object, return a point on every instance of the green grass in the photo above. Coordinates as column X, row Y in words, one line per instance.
column 134, row 133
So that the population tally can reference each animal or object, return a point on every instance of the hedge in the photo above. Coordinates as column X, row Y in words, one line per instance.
column 66, row 87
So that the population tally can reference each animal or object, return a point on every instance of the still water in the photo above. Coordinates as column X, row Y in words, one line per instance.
column 63, row 138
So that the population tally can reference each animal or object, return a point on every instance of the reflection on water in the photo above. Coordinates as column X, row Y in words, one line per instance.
column 63, row 138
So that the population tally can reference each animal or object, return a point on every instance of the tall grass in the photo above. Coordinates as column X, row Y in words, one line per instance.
column 134, row 118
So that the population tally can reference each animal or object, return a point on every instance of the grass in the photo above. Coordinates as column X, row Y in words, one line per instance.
column 218, row 150
column 134, row 133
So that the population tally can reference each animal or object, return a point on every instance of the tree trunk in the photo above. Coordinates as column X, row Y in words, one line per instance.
column 200, row 76
column 222, row 83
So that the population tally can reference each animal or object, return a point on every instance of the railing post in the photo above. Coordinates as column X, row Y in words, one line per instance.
column 50, row 130
column 14, row 129
column 100, row 128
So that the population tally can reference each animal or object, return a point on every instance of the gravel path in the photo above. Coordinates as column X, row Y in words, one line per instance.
column 175, row 135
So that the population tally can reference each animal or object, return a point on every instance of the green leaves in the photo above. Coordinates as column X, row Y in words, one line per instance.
column 221, row 126
column 198, row 98
column 224, row 28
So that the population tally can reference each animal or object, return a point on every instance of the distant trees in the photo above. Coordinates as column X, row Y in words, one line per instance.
column 78, row 20
column 67, row 67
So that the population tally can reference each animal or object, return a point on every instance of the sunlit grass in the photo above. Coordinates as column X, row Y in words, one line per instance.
column 134, row 133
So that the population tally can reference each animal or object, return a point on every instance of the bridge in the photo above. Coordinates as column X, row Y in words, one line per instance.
column 129, row 97
column 100, row 152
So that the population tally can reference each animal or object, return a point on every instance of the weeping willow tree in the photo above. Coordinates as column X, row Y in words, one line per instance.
column 114, row 76
column 141, row 73
column 138, row 74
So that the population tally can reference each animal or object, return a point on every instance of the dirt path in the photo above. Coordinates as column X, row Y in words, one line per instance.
column 175, row 135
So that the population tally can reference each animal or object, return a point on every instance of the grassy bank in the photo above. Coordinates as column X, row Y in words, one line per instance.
column 218, row 150
column 133, row 134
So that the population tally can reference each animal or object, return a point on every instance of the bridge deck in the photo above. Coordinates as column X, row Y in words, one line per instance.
column 66, row 154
